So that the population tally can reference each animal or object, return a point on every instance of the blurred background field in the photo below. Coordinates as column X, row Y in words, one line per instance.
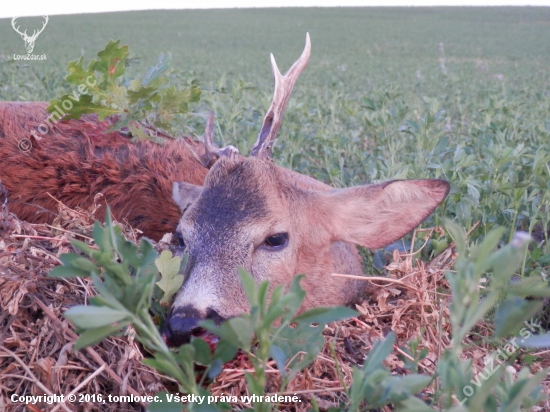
column 390, row 93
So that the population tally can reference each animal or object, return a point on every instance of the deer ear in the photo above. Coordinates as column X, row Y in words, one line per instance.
column 374, row 216
column 184, row 194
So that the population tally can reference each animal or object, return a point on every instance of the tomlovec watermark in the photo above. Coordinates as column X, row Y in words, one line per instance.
column 497, row 359
column 66, row 104
column 29, row 40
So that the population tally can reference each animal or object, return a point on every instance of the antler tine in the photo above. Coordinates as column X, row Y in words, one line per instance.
column 208, row 140
column 211, row 152
column 283, row 88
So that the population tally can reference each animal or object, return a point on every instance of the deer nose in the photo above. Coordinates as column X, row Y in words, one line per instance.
column 183, row 322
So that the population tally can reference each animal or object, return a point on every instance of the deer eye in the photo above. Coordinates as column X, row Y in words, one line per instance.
column 278, row 241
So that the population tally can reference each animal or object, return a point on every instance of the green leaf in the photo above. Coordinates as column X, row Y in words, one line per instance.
column 68, row 272
column 249, row 286
column 237, row 332
column 87, row 317
column 84, row 264
column 78, row 74
column 106, row 293
column 216, row 368
column 506, row 261
column 128, row 253
column 225, row 351
column 532, row 286
column 85, row 105
column 302, row 338
column 111, row 61
column 458, row 234
column 83, row 247
column 148, row 253
column 167, row 264
column 137, row 132
column 413, row 404
column 194, row 93
column 323, row 316
column 489, row 244
column 162, row 65
column 100, row 236
column 512, row 313
column 203, row 353
column 170, row 281
column 173, row 100
column 279, row 357
column 92, row 336
column 536, row 341
column 295, row 296
column 483, row 394
column 101, row 89
column 67, row 258
column 186, row 354
column 476, row 312
column 402, row 387
column 163, row 365
column 142, row 93
column 379, row 352
column 522, row 389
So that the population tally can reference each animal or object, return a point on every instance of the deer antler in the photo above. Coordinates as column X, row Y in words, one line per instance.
column 211, row 152
column 283, row 88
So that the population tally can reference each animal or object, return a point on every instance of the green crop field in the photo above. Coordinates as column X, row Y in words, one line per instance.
column 456, row 93
column 461, row 94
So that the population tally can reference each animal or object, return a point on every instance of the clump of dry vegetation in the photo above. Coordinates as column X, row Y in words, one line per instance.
column 36, row 355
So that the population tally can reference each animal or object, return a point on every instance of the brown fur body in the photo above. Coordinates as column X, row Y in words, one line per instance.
column 77, row 159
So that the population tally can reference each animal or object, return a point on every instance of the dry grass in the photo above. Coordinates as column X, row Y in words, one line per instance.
column 36, row 355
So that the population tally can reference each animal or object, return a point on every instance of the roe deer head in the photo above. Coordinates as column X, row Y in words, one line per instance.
column 277, row 224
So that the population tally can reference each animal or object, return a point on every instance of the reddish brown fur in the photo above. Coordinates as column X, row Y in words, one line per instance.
column 78, row 159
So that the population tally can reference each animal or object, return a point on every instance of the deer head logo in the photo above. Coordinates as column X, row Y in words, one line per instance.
column 29, row 40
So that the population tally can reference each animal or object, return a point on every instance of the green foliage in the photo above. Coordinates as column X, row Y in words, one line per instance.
column 293, row 335
column 171, row 280
column 494, row 388
column 125, row 291
column 375, row 385
column 120, row 271
column 147, row 107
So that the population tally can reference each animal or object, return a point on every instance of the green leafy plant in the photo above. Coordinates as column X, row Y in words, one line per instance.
column 494, row 389
column 374, row 385
column 120, row 272
column 149, row 108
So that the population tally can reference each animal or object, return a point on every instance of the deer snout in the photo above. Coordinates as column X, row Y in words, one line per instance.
column 183, row 322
